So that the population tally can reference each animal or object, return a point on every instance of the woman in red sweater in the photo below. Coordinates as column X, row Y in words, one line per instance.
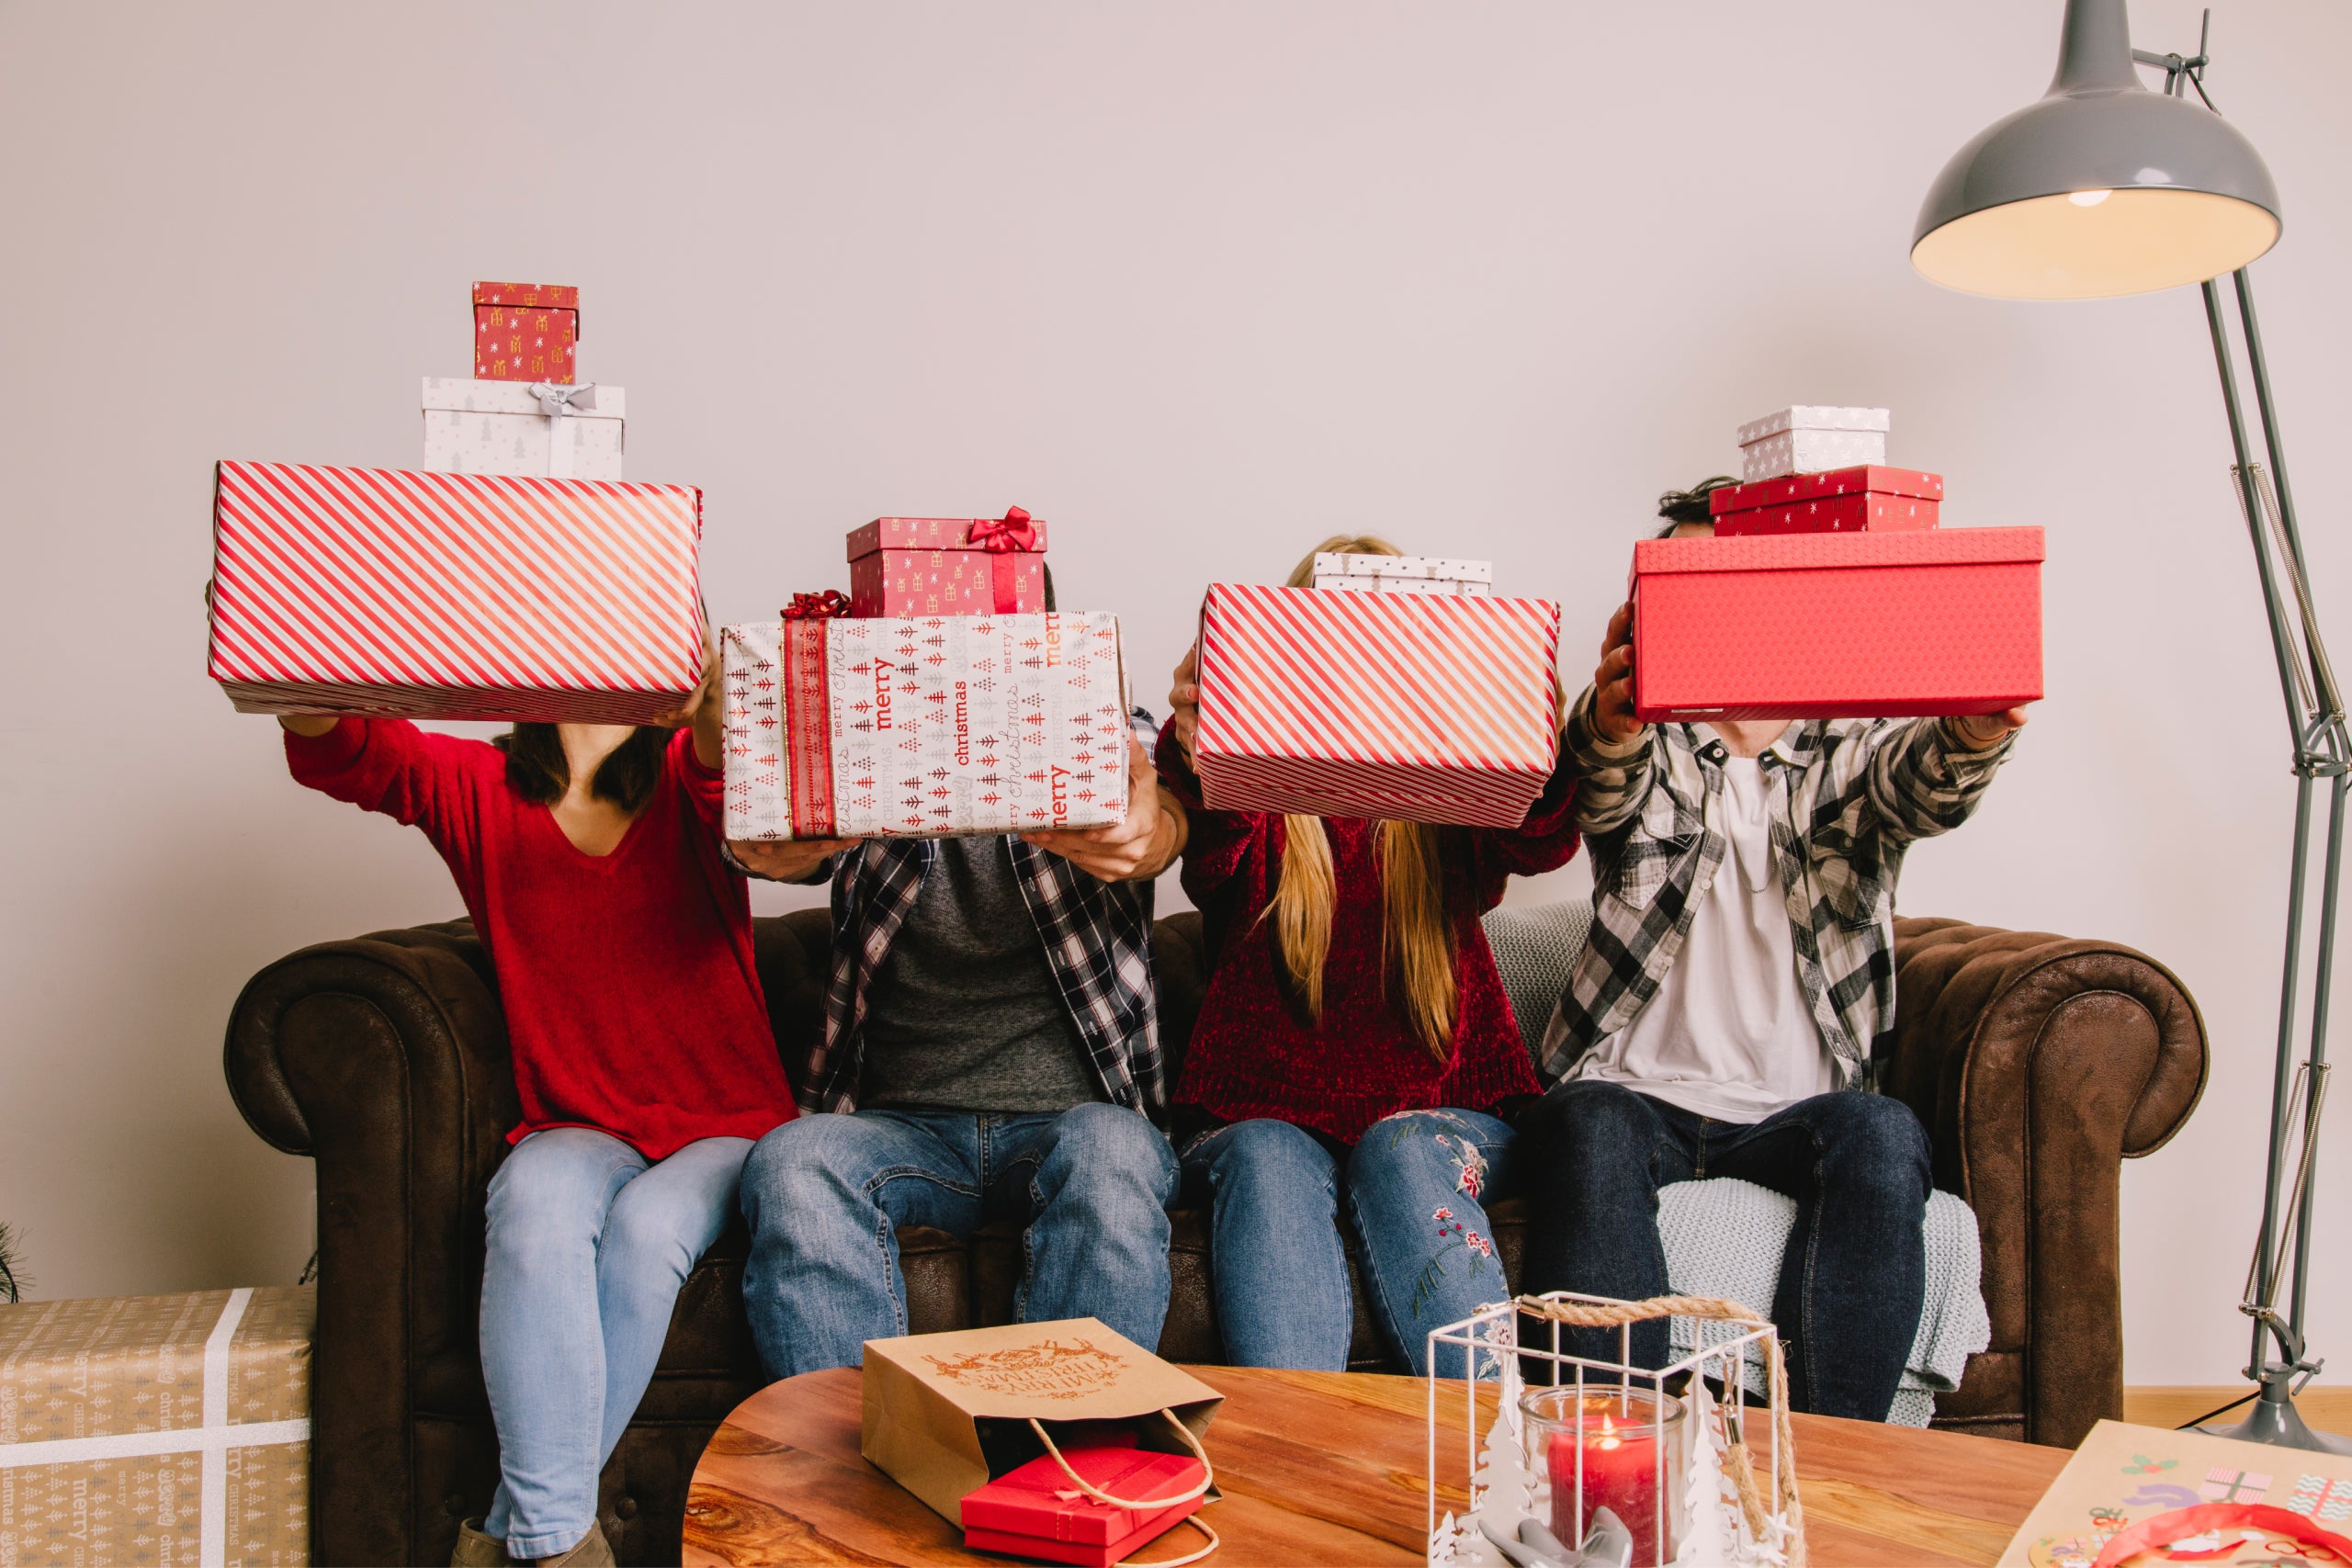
column 588, row 856
column 1355, row 1049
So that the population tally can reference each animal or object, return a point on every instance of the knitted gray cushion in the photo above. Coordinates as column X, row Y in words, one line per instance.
column 1535, row 946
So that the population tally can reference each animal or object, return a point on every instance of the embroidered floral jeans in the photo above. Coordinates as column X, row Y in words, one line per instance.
column 1414, row 1191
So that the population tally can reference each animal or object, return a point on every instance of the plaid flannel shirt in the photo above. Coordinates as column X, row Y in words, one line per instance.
column 1097, row 937
column 1846, row 797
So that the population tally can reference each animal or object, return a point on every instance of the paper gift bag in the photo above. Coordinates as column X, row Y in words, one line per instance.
column 946, row 1414
column 923, row 728
column 437, row 595
column 1418, row 708
column 1837, row 625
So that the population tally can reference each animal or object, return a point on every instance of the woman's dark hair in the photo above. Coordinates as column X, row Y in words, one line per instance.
column 1681, row 507
column 538, row 771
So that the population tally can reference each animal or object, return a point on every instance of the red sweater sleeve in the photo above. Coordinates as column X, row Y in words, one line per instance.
column 389, row 765
column 1219, row 845
column 1546, row 841
column 706, row 788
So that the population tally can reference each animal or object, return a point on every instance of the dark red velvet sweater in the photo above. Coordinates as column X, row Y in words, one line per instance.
column 633, row 1005
column 1252, row 1053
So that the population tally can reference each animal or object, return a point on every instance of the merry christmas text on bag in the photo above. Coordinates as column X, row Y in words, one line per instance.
column 947, row 1412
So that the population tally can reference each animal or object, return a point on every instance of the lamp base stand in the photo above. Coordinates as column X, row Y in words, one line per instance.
column 2275, row 1420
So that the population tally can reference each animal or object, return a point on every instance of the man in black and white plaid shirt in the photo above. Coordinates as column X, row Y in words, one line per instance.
column 1722, row 1018
column 990, row 1051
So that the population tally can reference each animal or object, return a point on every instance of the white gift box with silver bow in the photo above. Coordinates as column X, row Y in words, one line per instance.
column 1402, row 574
column 538, row 428
column 1811, row 439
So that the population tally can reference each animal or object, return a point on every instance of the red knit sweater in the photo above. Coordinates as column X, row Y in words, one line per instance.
column 632, row 1006
column 1253, row 1053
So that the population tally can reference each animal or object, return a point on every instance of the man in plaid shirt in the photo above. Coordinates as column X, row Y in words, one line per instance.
column 991, row 1050
column 1722, row 1015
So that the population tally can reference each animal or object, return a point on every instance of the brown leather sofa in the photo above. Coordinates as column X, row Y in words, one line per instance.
column 2037, row 1063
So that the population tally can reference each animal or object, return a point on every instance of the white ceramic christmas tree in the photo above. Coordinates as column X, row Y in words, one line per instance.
column 1503, row 1489
column 1715, row 1532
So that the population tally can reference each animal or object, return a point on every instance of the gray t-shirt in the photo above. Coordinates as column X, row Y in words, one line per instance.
column 964, row 1015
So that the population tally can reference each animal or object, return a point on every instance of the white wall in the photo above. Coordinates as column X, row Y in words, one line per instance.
column 1198, row 284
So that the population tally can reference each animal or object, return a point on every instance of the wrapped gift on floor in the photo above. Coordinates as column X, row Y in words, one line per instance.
column 915, row 728
column 1414, row 707
column 1034, row 1510
column 524, row 427
column 1402, row 574
column 1837, row 625
column 1808, row 439
column 525, row 332
column 157, row 1428
column 435, row 595
column 948, row 566
column 1844, row 501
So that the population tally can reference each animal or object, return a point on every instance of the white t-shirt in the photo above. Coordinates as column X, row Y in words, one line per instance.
column 1728, row 1035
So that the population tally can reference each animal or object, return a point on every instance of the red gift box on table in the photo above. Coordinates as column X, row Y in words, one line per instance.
column 1837, row 625
column 1859, row 500
column 526, row 331
column 1412, row 707
column 948, row 566
column 435, row 595
column 1033, row 1510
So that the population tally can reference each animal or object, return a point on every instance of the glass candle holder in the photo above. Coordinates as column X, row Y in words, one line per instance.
column 1620, row 1448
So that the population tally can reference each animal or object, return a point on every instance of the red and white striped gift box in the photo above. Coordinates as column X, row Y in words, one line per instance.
column 1415, row 708
column 433, row 595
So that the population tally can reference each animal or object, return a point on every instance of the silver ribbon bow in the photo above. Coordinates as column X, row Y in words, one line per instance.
column 556, row 398
column 557, row 401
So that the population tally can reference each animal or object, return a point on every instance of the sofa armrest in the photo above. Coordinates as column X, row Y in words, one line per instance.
column 384, row 1059
column 2038, row 1064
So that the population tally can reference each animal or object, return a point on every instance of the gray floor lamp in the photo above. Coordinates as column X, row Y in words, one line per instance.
column 2106, row 187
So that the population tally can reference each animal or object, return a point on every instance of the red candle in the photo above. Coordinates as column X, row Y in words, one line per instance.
column 1620, row 1473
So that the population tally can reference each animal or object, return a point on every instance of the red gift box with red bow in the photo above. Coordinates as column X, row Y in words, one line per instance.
column 948, row 566
column 1837, row 625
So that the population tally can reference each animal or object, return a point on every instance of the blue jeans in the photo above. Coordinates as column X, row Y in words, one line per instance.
column 588, row 1246
column 1856, row 1268
column 1415, row 1187
column 826, row 1194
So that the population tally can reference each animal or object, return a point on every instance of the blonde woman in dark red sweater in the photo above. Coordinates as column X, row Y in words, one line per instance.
column 1354, row 1058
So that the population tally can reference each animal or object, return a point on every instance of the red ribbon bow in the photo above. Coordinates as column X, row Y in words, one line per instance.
column 1012, row 531
column 817, row 606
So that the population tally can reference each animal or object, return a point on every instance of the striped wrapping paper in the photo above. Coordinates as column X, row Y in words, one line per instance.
column 437, row 595
column 1418, row 708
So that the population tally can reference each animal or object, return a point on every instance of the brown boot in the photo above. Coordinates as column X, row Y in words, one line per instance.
column 476, row 1549
column 593, row 1552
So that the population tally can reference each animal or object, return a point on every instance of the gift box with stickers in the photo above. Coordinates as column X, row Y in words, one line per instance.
column 525, row 332
column 922, row 726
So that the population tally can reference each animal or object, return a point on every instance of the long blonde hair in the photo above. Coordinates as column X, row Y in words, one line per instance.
column 1417, row 940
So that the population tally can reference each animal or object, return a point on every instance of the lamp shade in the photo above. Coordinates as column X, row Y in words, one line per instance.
column 2101, row 188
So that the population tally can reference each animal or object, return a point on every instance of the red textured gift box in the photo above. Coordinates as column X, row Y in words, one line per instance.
column 1843, row 501
column 1034, row 1511
column 1837, row 625
column 526, row 331
column 948, row 566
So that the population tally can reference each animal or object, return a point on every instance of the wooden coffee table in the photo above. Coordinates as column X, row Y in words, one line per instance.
column 1320, row 1468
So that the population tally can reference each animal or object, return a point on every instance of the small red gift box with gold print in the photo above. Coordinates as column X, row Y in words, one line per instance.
column 948, row 566
column 526, row 331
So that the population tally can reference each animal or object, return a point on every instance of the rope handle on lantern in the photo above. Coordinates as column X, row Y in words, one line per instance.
column 1208, row 1478
column 1616, row 1314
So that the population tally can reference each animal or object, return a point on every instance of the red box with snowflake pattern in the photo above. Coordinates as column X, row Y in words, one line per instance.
column 1837, row 625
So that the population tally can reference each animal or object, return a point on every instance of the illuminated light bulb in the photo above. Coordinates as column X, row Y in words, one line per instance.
column 2089, row 198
